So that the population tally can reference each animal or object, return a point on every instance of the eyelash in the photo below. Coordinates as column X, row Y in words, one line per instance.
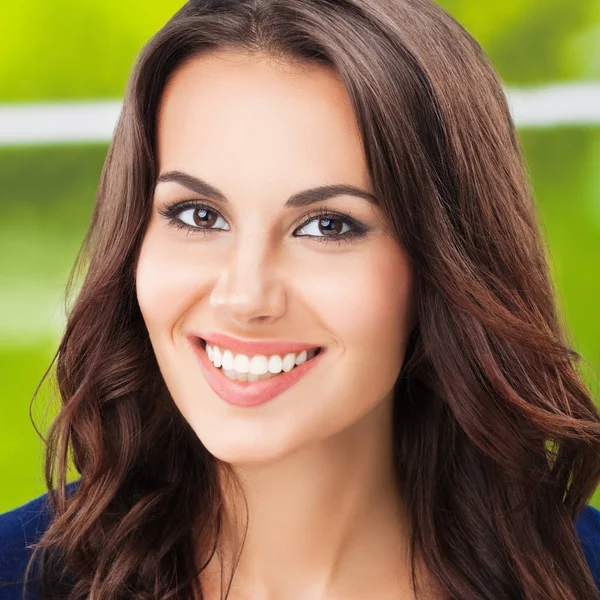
column 358, row 229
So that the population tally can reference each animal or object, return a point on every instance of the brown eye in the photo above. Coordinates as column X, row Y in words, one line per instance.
column 320, row 226
column 328, row 226
column 198, row 217
column 204, row 217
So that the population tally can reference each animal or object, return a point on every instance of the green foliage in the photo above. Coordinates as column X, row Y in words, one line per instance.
column 79, row 50
column 68, row 49
column 533, row 41
column 21, row 368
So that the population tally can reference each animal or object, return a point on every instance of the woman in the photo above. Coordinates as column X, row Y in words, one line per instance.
column 316, row 352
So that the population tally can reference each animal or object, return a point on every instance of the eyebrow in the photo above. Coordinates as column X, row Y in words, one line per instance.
column 298, row 200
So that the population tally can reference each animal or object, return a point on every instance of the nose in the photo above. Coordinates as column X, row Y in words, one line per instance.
column 248, row 290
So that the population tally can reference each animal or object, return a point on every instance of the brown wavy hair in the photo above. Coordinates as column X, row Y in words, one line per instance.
column 497, row 439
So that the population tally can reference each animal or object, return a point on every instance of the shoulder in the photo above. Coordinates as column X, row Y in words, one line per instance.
column 587, row 526
column 23, row 526
column 20, row 528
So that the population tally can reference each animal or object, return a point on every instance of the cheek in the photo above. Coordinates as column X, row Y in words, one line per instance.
column 368, row 304
column 368, row 310
column 165, row 284
column 361, row 299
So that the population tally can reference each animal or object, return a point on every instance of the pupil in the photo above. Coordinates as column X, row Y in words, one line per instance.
column 202, row 220
column 328, row 223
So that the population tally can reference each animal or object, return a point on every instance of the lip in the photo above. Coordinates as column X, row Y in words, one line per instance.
column 249, row 348
column 248, row 394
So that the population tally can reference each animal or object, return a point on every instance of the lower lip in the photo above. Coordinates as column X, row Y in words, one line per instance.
column 241, row 393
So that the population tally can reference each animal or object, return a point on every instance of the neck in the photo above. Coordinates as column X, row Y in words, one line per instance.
column 325, row 521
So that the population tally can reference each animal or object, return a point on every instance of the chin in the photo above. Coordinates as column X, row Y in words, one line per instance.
column 240, row 446
column 245, row 456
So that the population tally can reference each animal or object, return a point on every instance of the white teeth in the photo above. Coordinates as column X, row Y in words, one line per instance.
column 230, row 374
column 241, row 367
column 289, row 361
column 228, row 360
column 241, row 363
column 259, row 365
column 217, row 356
column 301, row 357
column 275, row 364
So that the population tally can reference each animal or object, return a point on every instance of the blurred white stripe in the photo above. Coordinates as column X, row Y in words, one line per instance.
column 66, row 122
column 56, row 123
column 573, row 103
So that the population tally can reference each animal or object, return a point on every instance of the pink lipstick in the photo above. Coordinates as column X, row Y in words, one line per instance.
column 247, row 394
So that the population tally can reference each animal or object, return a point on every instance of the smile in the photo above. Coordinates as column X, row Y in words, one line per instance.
column 244, row 380
column 241, row 367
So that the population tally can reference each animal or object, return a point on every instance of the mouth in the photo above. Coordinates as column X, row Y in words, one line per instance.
column 294, row 361
column 249, row 390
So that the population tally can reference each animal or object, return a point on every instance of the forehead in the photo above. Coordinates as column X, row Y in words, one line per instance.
column 227, row 114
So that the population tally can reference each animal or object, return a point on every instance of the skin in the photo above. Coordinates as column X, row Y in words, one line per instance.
column 326, row 514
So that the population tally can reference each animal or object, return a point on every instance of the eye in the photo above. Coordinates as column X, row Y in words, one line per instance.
column 321, row 226
column 201, row 216
column 193, row 216
column 328, row 225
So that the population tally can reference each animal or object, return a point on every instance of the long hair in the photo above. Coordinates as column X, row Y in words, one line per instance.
column 497, row 439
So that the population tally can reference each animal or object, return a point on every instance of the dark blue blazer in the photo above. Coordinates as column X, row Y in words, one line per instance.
column 24, row 525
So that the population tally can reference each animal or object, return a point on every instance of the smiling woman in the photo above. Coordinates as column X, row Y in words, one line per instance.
column 272, row 270
column 316, row 351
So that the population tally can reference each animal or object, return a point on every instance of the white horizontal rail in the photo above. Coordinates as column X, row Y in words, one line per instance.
column 576, row 103
column 70, row 122
column 56, row 123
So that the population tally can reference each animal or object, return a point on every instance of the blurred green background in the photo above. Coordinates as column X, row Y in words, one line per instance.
column 66, row 50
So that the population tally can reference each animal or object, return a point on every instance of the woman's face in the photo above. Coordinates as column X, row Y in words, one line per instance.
column 252, row 268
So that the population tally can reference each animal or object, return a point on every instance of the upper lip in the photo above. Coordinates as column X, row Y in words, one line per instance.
column 251, row 348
